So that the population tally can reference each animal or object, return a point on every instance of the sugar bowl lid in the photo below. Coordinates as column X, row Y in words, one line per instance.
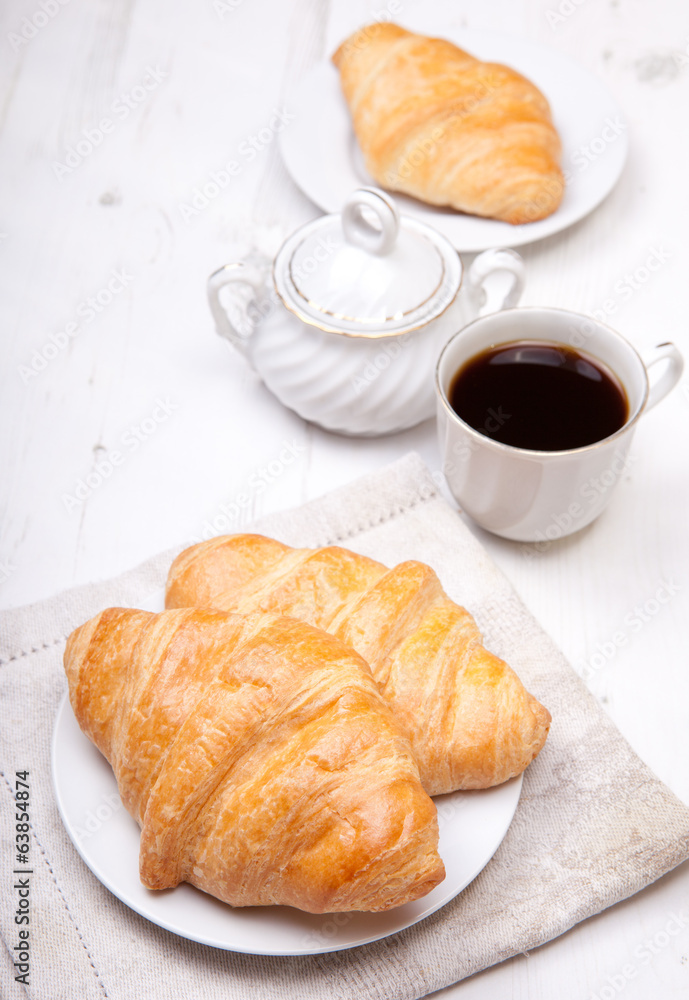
column 367, row 272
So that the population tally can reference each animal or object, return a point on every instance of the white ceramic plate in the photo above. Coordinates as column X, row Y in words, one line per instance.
column 472, row 826
column 323, row 157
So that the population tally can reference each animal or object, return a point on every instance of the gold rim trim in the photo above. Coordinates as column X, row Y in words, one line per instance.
column 371, row 334
column 534, row 452
column 362, row 334
column 358, row 319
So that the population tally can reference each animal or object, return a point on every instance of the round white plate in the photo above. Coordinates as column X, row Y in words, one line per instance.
column 472, row 825
column 322, row 155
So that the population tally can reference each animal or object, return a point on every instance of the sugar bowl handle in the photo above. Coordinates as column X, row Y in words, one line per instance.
column 490, row 262
column 246, row 273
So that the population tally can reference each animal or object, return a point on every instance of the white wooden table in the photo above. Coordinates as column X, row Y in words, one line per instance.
column 96, row 237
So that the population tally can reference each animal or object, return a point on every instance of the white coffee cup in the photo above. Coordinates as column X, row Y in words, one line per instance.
column 529, row 495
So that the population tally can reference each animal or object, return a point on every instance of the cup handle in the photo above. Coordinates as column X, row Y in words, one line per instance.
column 240, row 272
column 488, row 263
column 670, row 374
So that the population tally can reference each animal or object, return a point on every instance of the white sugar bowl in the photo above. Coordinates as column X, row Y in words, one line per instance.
column 348, row 331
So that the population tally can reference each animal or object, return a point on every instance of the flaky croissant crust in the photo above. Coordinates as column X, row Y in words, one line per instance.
column 436, row 123
column 471, row 722
column 258, row 758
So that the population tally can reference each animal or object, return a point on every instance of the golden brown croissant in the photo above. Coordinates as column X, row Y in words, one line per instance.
column 258, row 757
column 436, row 123
column 471, row 722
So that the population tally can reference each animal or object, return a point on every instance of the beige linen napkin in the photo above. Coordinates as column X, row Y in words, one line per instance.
column 592, row 827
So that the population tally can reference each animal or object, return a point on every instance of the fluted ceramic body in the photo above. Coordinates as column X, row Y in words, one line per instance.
column 353, row 385
column 346, row 325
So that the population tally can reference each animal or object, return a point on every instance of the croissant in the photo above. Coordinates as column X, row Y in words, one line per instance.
column 258, row 757
column 436, row 123
column 471, row 722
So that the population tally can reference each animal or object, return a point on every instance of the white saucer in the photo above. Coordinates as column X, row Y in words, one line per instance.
column 321, row 153
column 472, row 825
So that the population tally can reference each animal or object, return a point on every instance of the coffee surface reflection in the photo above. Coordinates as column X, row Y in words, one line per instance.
column 539, row 395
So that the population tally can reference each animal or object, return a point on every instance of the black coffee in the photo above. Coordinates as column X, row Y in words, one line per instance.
column 539, row 395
